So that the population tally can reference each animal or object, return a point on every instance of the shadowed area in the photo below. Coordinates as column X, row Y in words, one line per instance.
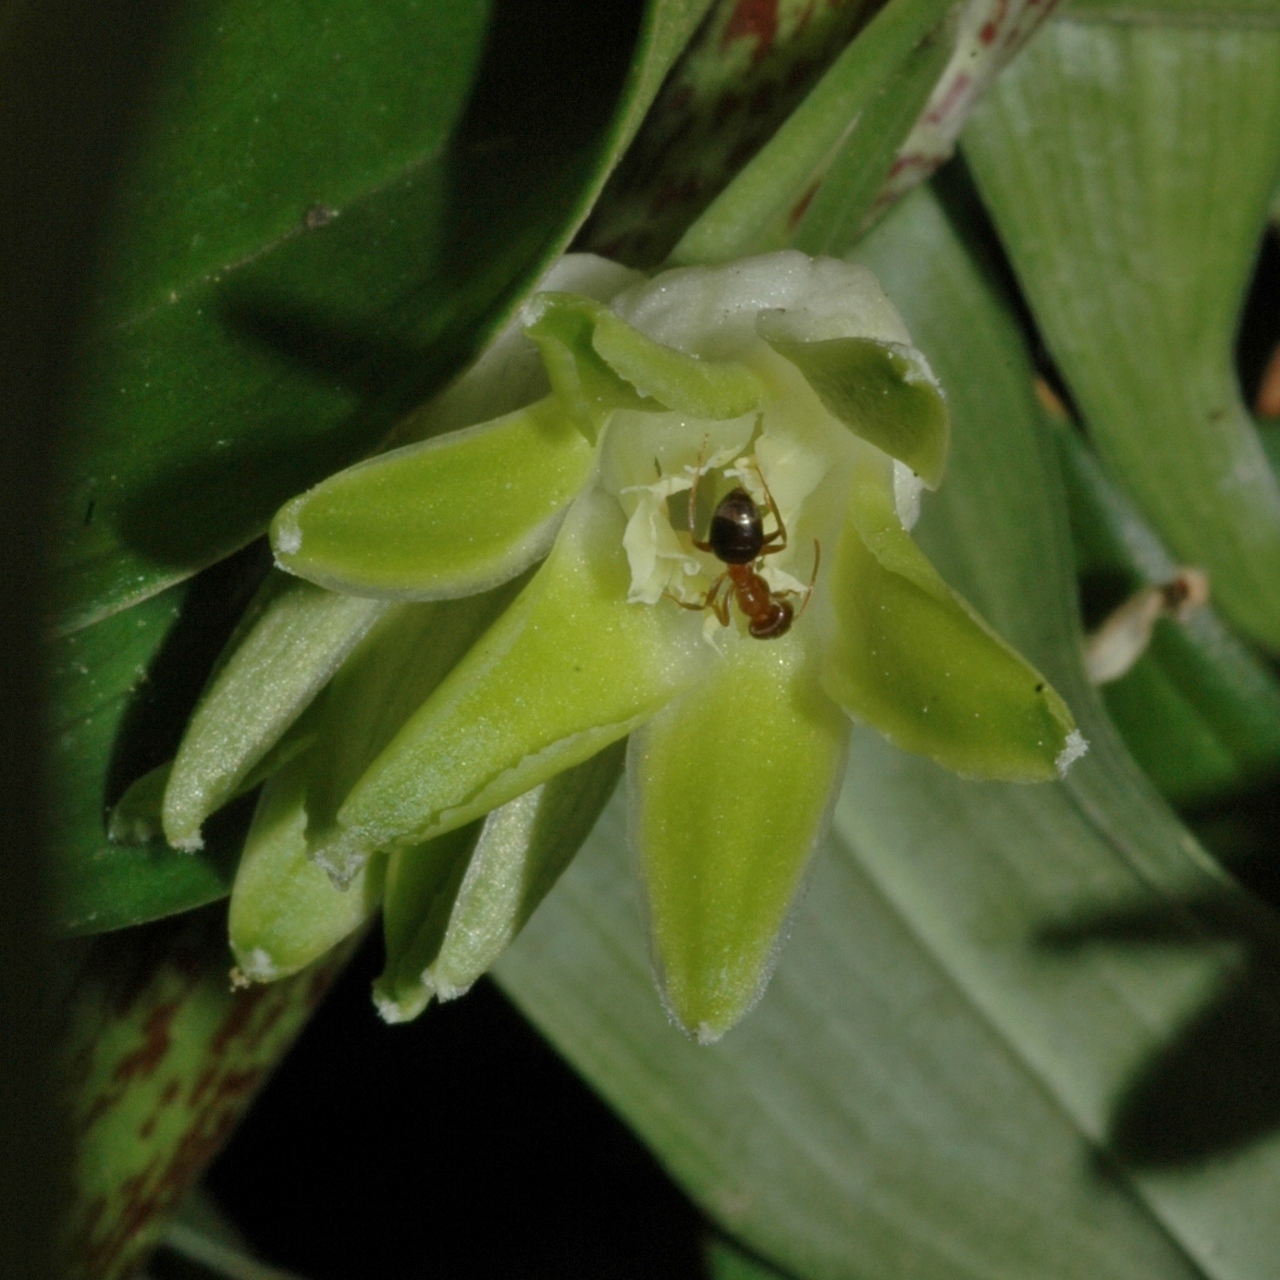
column 1215, row 1087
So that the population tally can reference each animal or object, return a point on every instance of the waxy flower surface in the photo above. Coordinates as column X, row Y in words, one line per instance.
column 673, row 512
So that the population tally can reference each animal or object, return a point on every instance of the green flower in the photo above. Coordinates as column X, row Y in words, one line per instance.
column 440, row 722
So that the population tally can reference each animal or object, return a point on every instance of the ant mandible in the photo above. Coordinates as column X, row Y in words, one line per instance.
column 738, row 540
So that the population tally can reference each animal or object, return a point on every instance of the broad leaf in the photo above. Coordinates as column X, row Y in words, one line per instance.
column 264, row 312
column 962, row 1068
column 1128, row 169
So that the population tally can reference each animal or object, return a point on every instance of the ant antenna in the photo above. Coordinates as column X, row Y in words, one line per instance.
column 813, row 578
column 693, row 497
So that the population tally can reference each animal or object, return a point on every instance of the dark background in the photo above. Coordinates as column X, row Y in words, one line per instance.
column 456, row 1145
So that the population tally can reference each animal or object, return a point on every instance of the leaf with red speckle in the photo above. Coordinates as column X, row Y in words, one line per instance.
column 162, row 1059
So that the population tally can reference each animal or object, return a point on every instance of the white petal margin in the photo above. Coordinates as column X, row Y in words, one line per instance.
column 712, row 311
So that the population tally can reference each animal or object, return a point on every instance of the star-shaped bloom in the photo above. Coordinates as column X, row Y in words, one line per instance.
column 671, row 511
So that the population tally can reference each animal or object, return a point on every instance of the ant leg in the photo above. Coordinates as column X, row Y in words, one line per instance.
column 693, row 501
column 707, row 601
column 721, row 606
column 813, row 577
column 771, row 544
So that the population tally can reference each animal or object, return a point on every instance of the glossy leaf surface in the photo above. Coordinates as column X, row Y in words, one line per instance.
column 263, row 318
column 1129, row 168
column 729, row 788
column 974, row 1060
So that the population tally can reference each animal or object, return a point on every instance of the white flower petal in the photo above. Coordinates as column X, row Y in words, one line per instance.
column 907, row 487
column 654, row 551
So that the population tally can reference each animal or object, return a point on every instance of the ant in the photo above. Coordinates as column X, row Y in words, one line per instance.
column 738, row 540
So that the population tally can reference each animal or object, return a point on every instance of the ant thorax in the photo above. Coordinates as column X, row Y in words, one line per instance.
column 679, row 547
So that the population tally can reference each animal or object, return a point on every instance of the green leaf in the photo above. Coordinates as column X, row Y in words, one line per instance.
column 1128, row 169
column 913, row 659
column 1199, row 711
column 724, row 1262
column 294, row 637
column 799, row 153
column 285, row 910
column 448, row 919
column 1202, row 13
column 161, row 1060
column 847, row 199
column 569, row 668
column 933, row 1088
column 730, row 788
column 449, row 517
column 882, row 392
column 263, row 317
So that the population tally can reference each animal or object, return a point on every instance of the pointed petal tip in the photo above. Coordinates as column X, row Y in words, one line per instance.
column 394, row 1009
column 255, row 965
column 286, row 533
column 1075, row 746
